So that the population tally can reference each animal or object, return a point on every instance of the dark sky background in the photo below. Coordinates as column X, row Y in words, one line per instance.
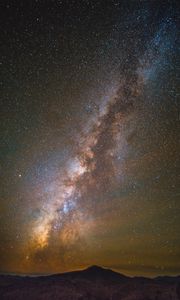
column 89, row 136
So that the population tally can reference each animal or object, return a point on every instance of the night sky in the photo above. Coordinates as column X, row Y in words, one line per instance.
column 89, row 136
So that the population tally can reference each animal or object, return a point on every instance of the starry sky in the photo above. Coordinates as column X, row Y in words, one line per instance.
column 89, row 136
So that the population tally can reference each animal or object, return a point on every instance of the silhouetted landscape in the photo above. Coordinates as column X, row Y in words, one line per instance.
column 89, row 151
column 93, row 283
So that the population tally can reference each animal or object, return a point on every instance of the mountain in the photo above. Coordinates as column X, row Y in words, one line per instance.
column 95, row 273
column 93, row 283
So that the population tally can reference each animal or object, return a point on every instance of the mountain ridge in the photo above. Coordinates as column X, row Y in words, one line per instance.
column 92, row 283
column 90, row 269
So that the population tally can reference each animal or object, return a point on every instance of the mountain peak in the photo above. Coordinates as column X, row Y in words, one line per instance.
column 95, row 268
column 103, row 273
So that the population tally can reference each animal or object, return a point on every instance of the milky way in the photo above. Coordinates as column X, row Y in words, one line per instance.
column 89, row 170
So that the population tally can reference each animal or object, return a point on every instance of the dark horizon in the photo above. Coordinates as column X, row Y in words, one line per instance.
column 128, row 274
column 92, row 283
